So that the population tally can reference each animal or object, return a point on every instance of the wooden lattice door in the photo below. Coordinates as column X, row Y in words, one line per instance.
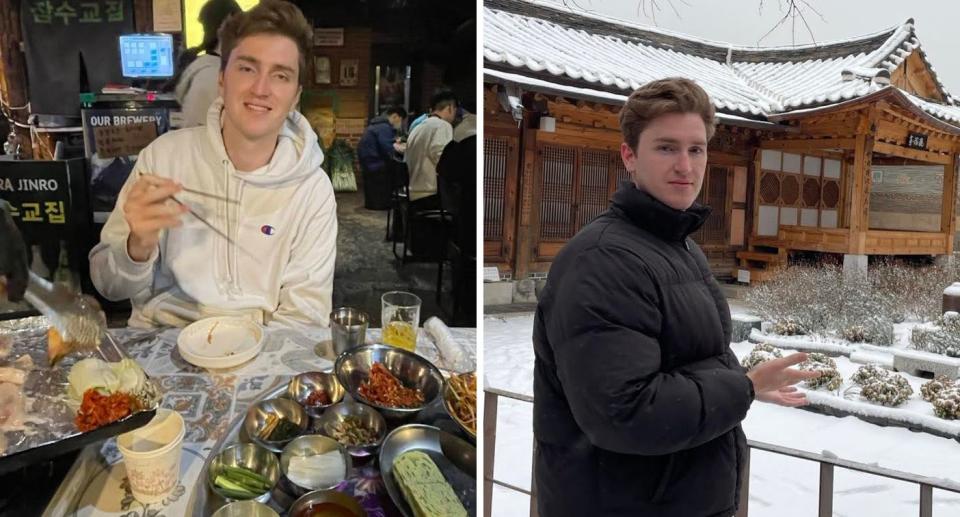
column 714, row 193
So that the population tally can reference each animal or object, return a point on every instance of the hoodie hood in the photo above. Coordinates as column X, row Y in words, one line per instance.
column 297, row 154
column 379, row 119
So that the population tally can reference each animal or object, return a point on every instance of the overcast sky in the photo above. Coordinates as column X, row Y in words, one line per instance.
column 742, row 22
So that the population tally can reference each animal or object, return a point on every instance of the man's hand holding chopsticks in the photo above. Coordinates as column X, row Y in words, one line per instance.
column 149, row 210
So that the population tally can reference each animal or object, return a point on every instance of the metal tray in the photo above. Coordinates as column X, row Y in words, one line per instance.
column 456, row 459
column 205, row 501
column 53, row 432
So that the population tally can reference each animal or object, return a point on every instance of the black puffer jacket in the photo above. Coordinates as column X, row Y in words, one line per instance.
column 638, row 396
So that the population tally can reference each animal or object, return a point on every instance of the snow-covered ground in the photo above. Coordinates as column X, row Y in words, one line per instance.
column 780, row 486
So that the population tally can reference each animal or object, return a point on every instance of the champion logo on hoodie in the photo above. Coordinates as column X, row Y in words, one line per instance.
column 267, row 229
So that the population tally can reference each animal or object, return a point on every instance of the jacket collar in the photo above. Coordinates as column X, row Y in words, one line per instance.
column 650, row 214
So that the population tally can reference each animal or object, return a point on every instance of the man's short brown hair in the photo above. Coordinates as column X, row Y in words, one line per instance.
column 656, row 98
column 268, row 17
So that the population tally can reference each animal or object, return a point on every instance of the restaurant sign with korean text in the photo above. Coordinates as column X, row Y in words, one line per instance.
column 39, row 196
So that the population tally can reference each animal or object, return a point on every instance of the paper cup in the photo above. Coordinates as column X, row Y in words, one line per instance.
column 152, row 456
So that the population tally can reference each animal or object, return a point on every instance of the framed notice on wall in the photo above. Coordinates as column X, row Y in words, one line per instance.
column 323, row 37
column 349, row 72
column 321, row 70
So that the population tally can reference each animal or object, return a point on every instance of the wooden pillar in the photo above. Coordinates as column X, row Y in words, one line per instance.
column 13, row 71
column 143, row 15
column 526, row 223
column 860, row 193
column 948, row 219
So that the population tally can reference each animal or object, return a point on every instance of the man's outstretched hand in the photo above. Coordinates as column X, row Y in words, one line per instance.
column 788, row 396
column 773, row 381
column 13, row 258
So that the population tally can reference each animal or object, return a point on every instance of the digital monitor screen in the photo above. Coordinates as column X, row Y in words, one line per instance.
column 146, row 55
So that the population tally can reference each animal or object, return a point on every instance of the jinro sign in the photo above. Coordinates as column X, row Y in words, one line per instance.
column 39, row 196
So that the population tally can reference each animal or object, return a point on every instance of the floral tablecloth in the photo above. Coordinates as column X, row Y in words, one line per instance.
column 209, row 401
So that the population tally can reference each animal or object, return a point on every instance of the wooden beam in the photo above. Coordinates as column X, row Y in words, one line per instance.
column 718, row 158
column 143, row 15
column 860, row 192
column 527, row 223
column 852, row 106
column 816, row 144
column 13, row 71
column 578, row 136
column 948, row 219
column 913, row 154
column 906, row 117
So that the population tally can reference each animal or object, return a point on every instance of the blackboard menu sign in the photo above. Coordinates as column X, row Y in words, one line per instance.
column 68, row 42
column 112, row 140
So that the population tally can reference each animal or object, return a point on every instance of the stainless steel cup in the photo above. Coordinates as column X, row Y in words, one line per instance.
column 348, row 327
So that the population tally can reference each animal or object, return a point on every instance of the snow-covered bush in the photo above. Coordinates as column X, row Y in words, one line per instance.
column 944, row 338
column 819, row 300
column 947, row 404
column 829, row 378
column 761, row 354
column 912, row 291
column 799, row 294
column 931, row 389
column 861, row 314
column 787, row 327
column 891, row 389
column 817, row 357
column 867, row 373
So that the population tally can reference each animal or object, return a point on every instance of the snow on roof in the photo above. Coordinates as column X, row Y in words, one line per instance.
column 577, row 50
column 606, row 97
column 941, row 111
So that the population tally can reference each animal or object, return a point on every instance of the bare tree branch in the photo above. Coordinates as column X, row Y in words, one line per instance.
column 794, row 10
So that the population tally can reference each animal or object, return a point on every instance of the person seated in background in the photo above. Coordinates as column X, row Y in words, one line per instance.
column 376, row 144
column 375, row 153
column 417, row 121
column 467, row 125
column 253, row 173
column 424, row 147
column 196, row 81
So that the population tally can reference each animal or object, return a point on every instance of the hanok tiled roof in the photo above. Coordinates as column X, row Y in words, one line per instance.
column 587, row 53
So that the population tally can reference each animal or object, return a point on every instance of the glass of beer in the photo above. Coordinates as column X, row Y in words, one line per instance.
column 400, row 318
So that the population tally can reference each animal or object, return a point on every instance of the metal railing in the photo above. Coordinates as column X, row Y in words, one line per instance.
column 491, row 400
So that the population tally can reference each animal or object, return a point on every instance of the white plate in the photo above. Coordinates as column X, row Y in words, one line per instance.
column 220, row 342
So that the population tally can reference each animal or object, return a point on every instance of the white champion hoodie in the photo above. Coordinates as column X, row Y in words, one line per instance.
column 284, row 223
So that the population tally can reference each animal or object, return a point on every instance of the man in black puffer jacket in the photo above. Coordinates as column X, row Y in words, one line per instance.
column 638, row 397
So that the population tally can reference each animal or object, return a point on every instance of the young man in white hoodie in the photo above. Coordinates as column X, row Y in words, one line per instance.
column 256, row 167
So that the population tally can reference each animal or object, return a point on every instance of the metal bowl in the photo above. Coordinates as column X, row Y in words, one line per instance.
column 245, row 509
column 455, row 458
column 448, row 404
column 353, row 368
column 368, row 417
column 249, row 456
column 300, row 506
column 305, row 384
column 258, row 417
column 308, row 445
